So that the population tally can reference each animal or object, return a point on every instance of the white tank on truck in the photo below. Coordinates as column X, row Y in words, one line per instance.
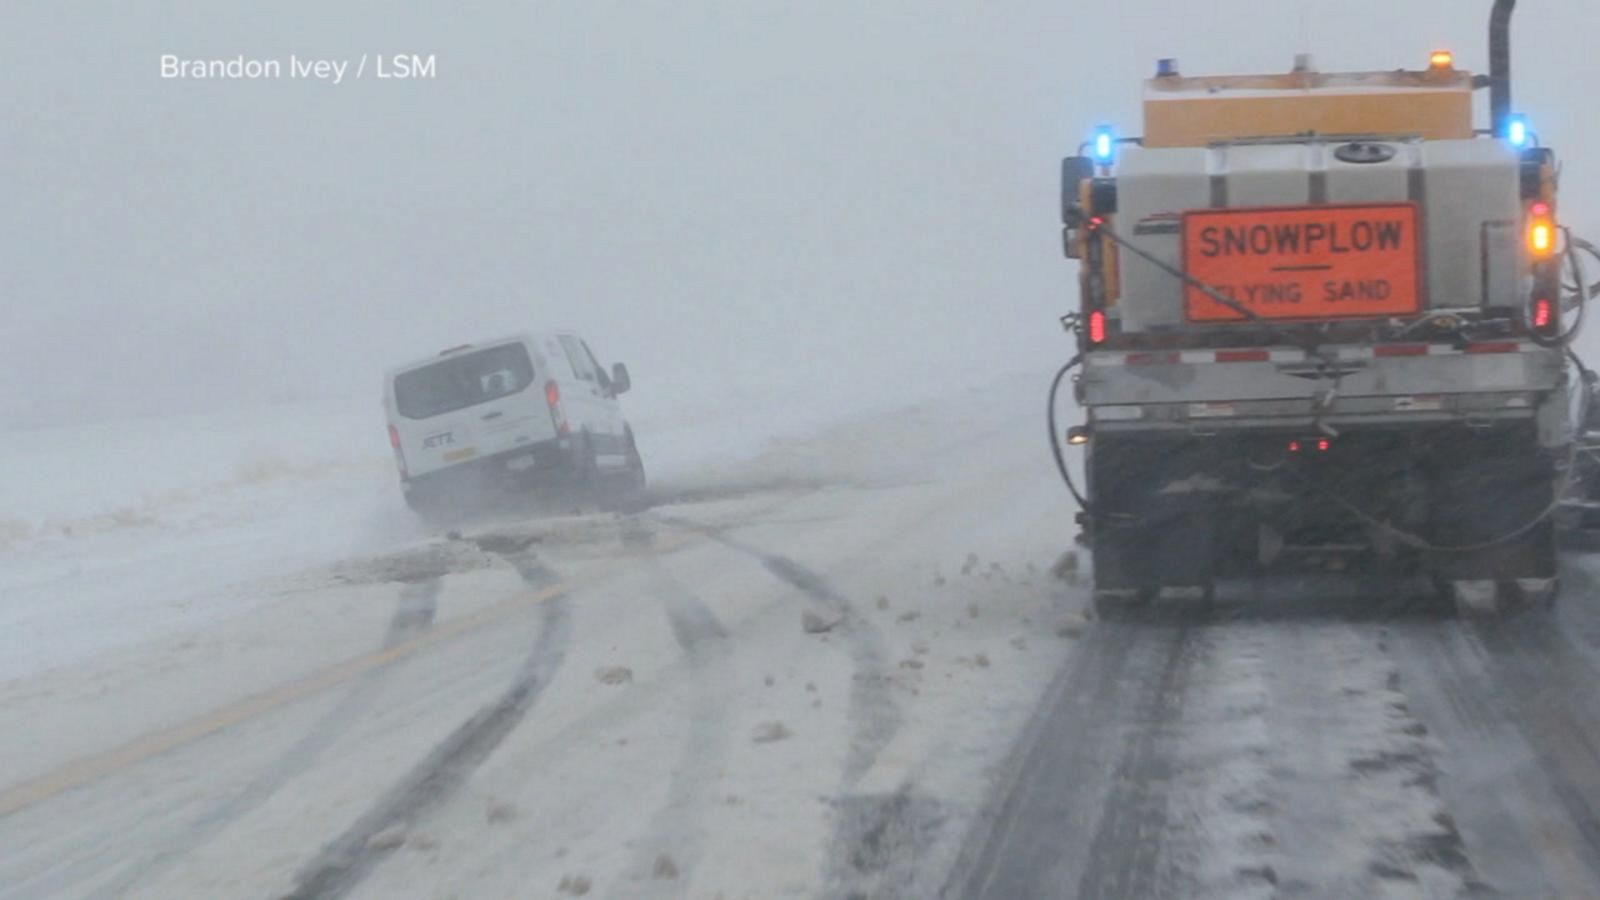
column 1322, row 326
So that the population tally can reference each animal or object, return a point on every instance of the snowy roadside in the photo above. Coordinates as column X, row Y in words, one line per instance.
column 697, row 730
column 811, row 701
column 119, row 533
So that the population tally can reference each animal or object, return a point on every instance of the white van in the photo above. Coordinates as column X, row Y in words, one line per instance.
column 518, row 411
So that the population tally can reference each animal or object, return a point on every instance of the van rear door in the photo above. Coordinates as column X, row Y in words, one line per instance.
column 470, row 404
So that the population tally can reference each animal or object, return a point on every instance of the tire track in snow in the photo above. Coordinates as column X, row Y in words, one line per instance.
column 414, row 613
column 1551, row 693
column 675, row 830
column 1353, row 799
column 874, row 716
column 1514, row 700
column 864, row 826
column 1203, row 758
column 349, row 858
column 1126, row 856
column 1032, row 839
column 1514, row 817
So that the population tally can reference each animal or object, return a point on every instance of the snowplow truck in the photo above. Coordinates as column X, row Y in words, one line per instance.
column 1321, row 329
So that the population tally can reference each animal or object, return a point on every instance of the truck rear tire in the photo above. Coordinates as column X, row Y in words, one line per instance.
column 1500, row 598
column 1538, row 593
column 1113, row 604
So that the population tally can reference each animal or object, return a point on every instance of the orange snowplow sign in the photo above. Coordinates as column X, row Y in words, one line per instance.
column 1312, row 262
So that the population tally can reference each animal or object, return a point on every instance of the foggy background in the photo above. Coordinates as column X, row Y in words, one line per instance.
column 843, row 198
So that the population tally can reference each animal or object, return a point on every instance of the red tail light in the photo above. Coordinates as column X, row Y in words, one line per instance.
column 1097, row 327
column 552, row 396
column 1544, row 314
column 399, row 454
column 1294, row 446
column 1322, row 444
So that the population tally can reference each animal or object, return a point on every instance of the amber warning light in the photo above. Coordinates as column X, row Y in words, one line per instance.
column 1541, row 231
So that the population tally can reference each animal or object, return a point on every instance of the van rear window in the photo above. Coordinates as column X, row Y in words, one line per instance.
column 461, row 381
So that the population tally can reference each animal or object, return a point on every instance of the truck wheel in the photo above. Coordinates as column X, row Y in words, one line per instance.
column 1473, row 597
column 1539, row 594
column 1483, row 598
column 1112, row 604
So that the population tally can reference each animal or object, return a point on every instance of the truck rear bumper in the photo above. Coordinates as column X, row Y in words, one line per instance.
column 1507, row 368
column 1186, row 508
column 1382, row 412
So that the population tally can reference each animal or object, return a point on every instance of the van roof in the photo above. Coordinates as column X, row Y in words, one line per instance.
column 532, row 336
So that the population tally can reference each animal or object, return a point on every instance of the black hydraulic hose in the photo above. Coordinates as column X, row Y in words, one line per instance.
column 1500, row 64
column 1055, row 436
column 1575, row 260
column 1581, row 291
column 1577, row 248
column 1418, row 542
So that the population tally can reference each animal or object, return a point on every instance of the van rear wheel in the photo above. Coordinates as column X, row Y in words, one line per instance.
column 586, row 474
column 428, row 507
column 632, row 496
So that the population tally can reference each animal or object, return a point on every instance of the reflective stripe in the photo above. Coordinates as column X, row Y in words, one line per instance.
column 1401, row 350
column 1152, row 359
column 1243, row 356
column 1285, row 355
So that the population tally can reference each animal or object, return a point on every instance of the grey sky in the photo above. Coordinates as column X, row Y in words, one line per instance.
column 837, row 193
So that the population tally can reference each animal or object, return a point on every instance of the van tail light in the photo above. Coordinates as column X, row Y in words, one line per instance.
column 399, row 453
column 1097, row 326
column 552, row 396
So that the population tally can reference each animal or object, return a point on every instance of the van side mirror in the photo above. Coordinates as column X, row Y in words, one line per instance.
column 619, row 379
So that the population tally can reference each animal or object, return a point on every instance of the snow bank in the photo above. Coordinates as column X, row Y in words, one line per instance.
column 91, row 479
column 196, row 470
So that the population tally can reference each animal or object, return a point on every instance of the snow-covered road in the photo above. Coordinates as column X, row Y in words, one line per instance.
column 746, row 691
column 838, row 668
column 1310, row 743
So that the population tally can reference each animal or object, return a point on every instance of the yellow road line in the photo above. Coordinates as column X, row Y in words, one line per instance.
column 92, row 768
